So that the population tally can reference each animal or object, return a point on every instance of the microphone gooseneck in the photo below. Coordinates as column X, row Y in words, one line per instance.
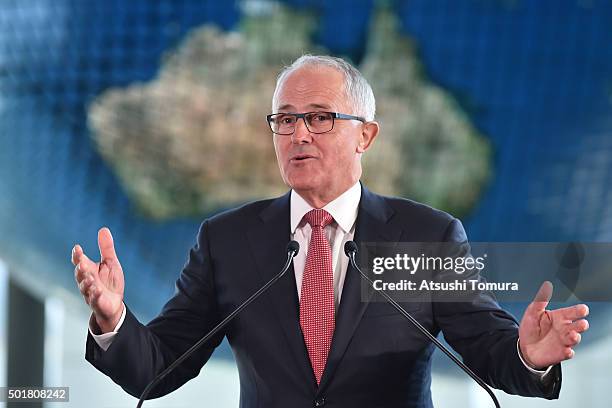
column 350, row 249
column 292, row 250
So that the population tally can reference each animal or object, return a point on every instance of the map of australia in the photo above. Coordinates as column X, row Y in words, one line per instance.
column 194, row 138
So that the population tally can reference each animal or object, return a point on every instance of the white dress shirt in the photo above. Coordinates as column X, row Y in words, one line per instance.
column 344, row 211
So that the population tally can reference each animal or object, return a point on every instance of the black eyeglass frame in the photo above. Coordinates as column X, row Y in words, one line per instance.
column 334, row 115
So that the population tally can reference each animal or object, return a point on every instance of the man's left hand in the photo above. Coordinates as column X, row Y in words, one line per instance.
column 547, row 337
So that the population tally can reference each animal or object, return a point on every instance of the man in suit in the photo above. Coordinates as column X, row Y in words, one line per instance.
column 311, row 340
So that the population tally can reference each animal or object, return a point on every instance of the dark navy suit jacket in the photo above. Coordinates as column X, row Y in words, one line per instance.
column 377, row 359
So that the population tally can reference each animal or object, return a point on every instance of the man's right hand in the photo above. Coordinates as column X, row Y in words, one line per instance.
column 101, row 283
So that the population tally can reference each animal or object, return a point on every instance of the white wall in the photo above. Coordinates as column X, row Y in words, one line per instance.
column 217, row 384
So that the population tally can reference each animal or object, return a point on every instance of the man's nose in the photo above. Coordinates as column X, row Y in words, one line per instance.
column 301, row 133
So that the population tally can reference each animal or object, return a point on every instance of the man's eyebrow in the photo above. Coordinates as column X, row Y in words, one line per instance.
column 319, row 106
column 289, row 107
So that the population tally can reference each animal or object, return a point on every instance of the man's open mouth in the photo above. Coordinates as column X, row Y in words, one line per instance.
column 302, row 157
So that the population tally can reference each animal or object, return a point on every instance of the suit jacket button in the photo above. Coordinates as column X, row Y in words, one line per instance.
column 319, row 402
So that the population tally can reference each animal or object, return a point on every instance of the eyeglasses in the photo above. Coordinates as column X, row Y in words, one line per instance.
column 316, row 122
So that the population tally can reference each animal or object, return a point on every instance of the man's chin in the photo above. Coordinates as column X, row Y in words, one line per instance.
column 299, row 184
column 301, row 187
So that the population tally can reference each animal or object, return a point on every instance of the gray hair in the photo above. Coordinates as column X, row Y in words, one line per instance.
column 358, row 90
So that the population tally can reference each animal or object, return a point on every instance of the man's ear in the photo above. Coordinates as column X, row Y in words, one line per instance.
column 368, row 134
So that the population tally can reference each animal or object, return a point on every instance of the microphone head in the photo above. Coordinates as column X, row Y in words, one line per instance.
column 294, row 247
column 350, row 248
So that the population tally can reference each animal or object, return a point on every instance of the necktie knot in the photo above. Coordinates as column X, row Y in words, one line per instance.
column 318, row 218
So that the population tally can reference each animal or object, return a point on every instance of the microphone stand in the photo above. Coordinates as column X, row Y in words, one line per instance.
column 292, row 250
column 350, row 249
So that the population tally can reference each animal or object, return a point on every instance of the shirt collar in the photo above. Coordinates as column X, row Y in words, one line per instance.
column 344, row 208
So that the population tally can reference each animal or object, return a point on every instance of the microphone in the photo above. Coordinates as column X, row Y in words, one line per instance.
column 350, row 249
column 292, row 250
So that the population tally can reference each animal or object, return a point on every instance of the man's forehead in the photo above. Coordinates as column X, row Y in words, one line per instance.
column 311, row 88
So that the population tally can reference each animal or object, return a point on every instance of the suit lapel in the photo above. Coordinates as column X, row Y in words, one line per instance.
column 268, row 238
column 373, row 225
